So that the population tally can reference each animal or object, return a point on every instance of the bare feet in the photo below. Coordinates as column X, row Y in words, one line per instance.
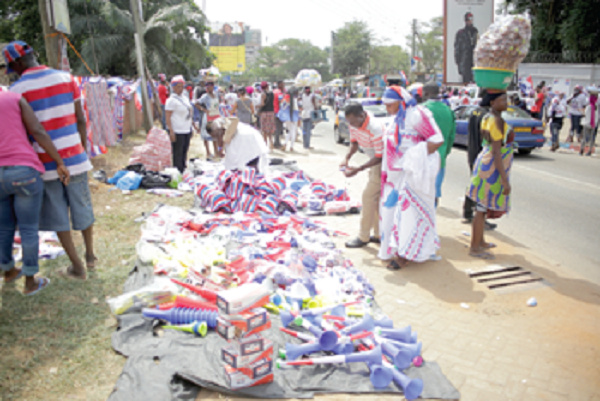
column 90, row 262
column 73, row 273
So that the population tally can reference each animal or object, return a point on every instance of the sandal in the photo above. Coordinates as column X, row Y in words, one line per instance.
column 68, row 273
column 15, row 278
column 90, row 264
column 482, row 255
column 488, row 245
column 42, row 283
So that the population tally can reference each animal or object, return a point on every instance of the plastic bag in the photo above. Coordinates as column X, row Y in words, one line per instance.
column 505, row 44
column 130, row 181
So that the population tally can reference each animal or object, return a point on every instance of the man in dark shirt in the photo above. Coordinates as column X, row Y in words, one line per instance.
column 464, row 45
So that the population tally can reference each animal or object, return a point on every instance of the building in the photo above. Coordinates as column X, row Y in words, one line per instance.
column 253, row 44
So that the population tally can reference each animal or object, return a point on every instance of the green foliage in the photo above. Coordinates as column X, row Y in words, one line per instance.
column 430, row 39
column 285, row 58
column 20, row 20
column 352, row 44
column 562, row 26
column 389, row 59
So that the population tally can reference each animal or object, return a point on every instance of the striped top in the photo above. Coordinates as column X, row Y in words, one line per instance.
column 369, row 136
column 51, row 94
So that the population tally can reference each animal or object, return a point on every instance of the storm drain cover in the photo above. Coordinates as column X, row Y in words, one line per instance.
column 506, row 278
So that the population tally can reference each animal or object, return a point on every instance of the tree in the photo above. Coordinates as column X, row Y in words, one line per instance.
column 351, row 47
column 20, row 20
column 430, row 44
column 566, row 29
column 389, row 59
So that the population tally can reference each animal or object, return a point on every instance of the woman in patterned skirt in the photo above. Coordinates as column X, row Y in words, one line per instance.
column 490, row 187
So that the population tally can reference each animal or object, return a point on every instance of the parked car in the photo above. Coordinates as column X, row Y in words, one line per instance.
column 341, row 131
column 529, row 132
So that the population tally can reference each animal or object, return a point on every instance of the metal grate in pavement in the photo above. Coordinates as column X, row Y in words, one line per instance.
column 506, row 278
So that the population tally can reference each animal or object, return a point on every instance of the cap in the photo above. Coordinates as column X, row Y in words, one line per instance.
column 468, row 16
column 14, row 51
column 264, row 84
column 177, row 79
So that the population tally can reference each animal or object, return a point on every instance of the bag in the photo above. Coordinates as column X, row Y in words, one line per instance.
column 152, row 179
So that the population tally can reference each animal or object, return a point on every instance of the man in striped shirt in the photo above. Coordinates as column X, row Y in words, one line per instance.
column 367, row 133
column 56, row 100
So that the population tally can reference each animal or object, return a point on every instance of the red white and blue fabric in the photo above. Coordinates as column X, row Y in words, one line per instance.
column 13, row 51
column 269, row 204
column 52, row 95
column 319, row 189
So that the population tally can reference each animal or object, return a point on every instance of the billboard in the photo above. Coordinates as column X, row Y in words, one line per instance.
column 59, row 16
column 464, row 22
column 228, row 43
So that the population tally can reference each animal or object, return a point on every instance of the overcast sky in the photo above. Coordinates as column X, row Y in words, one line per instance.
column 314, row 20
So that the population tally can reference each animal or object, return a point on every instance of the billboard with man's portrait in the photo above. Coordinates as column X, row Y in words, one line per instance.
column 228, row 43
column 464, row 22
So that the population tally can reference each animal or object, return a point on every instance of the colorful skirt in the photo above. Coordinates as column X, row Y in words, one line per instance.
column 486, row 184
column 267, row 122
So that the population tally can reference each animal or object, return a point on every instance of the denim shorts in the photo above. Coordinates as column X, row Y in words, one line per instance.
column 60, row 201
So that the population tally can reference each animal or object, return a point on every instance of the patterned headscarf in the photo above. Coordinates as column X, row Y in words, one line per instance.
column 398, row 94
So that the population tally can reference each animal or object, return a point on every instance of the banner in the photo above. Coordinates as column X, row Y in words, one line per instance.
column 464, row 22
column 59, row 16
column 228, row 45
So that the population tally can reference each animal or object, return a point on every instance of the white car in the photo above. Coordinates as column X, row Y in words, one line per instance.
column 341, row 131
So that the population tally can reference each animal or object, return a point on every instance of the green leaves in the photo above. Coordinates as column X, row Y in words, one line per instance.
column 351, row 48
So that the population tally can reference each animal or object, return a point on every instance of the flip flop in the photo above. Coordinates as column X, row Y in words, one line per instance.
column 18, row 276
column 43, row 282
column 482, row 255
column 67, row 273
column 489, row 245
column 91, row 265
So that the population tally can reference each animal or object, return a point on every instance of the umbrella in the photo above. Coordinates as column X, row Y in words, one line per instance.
column 416, row 85
column 308, row 78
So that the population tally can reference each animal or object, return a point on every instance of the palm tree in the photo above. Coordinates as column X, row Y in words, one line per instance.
column 173, row 34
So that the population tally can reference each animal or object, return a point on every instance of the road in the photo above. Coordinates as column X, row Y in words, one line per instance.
column 555, row 203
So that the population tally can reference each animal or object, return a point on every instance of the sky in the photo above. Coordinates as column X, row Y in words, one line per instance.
column 314, row 20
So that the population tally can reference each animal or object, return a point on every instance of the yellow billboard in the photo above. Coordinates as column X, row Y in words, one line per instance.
column 228, row 44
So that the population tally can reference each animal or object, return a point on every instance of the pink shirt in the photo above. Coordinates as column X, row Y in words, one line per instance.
column 15, row 148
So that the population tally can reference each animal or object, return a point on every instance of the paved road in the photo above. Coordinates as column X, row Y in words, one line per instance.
column 555, row 205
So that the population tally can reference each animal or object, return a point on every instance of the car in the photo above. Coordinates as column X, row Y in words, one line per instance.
column 341, row 130
column 529, row 132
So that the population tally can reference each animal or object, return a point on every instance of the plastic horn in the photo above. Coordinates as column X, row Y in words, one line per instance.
column 381, row 376
column 403, row 335
column 414, row 349
column 183, row 315
column 366, row 324
column 294, row 351
column 287, row 317
column 198, row 328
column 204, row 293
column 402, row 358
column 412, row 387
column 327, row 339
column 276, row 299
column 371, row 357
column 167, row 305
column 183, row 302
column 384, row 322
column 320, row 311
column 301, row 336
column 343, row 348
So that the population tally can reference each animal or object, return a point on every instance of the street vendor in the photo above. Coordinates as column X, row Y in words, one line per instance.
column 366, row 132
column 244, row 144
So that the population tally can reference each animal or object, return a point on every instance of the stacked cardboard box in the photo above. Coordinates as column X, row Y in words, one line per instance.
column 248, row 357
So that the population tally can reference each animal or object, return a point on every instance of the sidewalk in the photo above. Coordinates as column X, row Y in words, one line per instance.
column 493, row 347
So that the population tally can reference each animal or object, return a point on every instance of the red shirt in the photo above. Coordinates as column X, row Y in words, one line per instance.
column 163, row 94
column 276, row 94
column 539, row 101
column 190, row 90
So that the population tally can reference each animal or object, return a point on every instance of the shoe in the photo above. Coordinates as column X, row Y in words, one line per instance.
column 467, row 220
column 355, row 243
column 490, row 226
column 375, row 240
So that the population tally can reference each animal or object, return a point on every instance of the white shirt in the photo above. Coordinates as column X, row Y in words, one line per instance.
column 307, row 105
column 181, row 119
column 247, row 144
column 231, row 98
column 577, row 105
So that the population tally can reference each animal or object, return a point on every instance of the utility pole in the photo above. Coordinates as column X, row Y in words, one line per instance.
column 136, row 12
column 414, row 38
column 52, row 43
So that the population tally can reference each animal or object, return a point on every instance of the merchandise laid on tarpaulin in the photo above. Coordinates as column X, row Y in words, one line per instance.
column 259, row 305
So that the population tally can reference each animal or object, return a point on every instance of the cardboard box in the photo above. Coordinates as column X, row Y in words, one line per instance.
column 232, row 357
column 255, row 370
column 241, row 299
column 243, row 325
column 238, row 380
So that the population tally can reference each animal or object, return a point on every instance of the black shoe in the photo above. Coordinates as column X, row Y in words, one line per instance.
column 355, row 243
column 375, row 240
column 393, row 265
column 490, row 226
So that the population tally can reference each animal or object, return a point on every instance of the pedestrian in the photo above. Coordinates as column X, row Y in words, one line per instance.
column 209, row 104
column 243, row 108
column 288, row 114
column 163, row 95
column 409, row 168
column 22, row 187
column 590, row 121
column 576, row 104
column 56, row 101
column 278, row 95
column 198, row 92
column 444, row 118
column 556, row 114
column 537, row 108
column 244, row 145
column 490, row 188
column 367, row 133
column 309, row 105
column 179, row 122
column 267, row 114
